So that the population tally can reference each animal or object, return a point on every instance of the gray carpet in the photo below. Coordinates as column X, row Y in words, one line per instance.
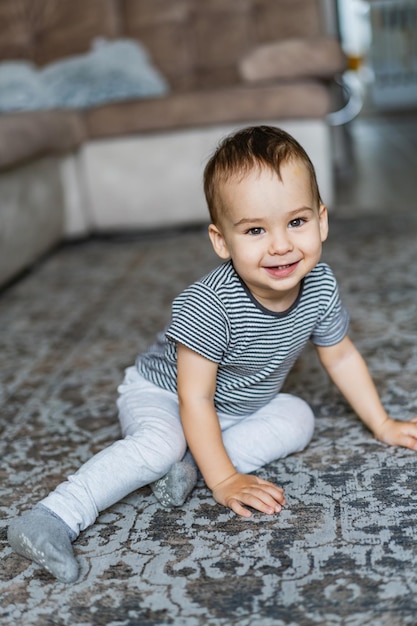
column 342, row 552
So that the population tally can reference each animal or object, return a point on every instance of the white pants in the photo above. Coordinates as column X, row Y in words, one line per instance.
column 153, row 440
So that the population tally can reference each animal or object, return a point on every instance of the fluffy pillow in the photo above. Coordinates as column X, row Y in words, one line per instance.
column 20, row 87
column 112, row 71
column 319, row 57
column 118, row 70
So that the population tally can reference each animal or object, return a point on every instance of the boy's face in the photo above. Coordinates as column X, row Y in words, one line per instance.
column 273, row 231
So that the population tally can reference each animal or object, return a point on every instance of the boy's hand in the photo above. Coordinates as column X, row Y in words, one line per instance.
column 240, row 489
column 396, row 433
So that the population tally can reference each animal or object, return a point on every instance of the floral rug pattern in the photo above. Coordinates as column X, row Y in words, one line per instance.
column 343, row 552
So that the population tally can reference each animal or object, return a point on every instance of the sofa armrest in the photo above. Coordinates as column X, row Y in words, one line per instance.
column 29, row 135
column 315, row 57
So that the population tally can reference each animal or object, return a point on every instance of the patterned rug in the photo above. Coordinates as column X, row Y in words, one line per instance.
column 342, row 552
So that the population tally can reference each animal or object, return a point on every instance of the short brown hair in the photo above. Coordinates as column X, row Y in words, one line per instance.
column 251, row 147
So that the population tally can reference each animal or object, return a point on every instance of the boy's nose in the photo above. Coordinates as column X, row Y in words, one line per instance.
column 280, row 243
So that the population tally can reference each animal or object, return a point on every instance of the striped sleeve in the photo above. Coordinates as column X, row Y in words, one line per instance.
column 199, row 322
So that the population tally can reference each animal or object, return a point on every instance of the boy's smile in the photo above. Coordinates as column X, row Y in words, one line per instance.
column 272, row 230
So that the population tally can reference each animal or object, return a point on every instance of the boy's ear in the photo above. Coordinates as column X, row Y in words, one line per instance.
column 323, row 222
column 218, row 242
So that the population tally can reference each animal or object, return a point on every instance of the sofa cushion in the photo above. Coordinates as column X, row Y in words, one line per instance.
column 198, row 43
column 302, row 99
column 25, row 136
column 279, row 19
column 293, row 58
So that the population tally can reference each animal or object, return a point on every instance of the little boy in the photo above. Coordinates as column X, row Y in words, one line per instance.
column 211, row 382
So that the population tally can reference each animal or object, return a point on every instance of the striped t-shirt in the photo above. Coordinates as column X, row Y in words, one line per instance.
column 255, row 348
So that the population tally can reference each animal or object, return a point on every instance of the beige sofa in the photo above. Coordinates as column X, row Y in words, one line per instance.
column 137, row 163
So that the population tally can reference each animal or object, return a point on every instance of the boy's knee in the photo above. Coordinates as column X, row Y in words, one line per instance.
column 303, row 416
column 158, row 451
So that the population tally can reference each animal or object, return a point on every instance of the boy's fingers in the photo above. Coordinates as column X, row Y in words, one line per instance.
column 247, row 490
column 239, row 509
column 409, row 442
column 277, row 495
column 261, row 481
column 399, row 433
column 276, row 492
column 408, row 438
column 258, row 500
column 411, row 426
column 270, row 491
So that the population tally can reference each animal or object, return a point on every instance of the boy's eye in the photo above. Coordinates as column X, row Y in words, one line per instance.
column 257, row 230
column 299, row 221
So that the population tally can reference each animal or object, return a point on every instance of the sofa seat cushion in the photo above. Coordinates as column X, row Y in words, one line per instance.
column 303, row 99
column 25, row 136
column 318, row 57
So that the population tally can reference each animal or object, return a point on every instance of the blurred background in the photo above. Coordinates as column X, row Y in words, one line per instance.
column 380, row 41
column 110, row 108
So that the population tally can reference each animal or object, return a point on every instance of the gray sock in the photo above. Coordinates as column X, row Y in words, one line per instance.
column 41, row 536
column 174, row 488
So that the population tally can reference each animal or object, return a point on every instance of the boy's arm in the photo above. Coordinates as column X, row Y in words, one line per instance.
column 349, row 372
column 196, row 388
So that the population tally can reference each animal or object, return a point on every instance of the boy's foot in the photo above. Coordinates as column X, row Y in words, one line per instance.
column 43, row 537
column 174, row 488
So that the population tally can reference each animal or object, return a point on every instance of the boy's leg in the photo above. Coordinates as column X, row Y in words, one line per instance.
column 153, row 442
column 280, row 428
column 173, row 488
